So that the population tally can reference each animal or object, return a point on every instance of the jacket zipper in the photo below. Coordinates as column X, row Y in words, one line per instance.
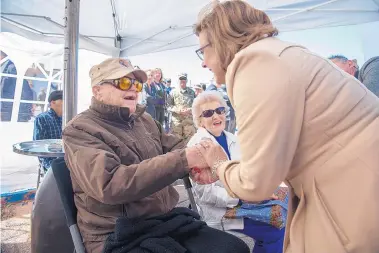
column 124, row 210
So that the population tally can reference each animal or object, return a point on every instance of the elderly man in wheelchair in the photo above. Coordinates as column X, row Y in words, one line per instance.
column 122, row 165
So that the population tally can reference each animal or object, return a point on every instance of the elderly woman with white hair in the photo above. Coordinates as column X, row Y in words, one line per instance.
column 218, row 209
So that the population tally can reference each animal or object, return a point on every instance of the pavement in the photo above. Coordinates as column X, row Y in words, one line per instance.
column 15, row 228
column 16, row 219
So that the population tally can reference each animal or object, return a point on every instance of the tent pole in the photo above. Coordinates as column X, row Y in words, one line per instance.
column 304, row 10
column 71, row 37
column 145, row 39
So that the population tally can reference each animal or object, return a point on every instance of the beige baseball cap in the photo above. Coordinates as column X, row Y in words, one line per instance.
column 114, row 68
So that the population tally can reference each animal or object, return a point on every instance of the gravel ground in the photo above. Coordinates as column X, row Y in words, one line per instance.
column 15, row 230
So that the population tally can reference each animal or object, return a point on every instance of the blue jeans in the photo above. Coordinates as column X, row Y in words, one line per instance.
column 268, row 239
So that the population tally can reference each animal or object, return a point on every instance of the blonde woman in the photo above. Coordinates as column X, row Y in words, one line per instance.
column 149, row 93
column 160, row 95
column 300, row 119
column 209, row 113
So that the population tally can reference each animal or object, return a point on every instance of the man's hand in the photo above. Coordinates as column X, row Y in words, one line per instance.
column 194, row 158
column 203, row 176
column 212, row 152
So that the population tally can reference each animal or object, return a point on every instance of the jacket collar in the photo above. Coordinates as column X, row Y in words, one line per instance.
column 115, row 113
column 230, row 138
column 185, row 90
column 53, row 113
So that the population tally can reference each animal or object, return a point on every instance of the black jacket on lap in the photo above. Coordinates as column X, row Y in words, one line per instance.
column 178, row 231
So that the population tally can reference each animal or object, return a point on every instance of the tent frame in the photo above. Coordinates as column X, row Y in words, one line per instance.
column 71, row 37
column 118, row 50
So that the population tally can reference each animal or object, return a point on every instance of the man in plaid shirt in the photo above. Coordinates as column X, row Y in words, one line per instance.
column 48, row 125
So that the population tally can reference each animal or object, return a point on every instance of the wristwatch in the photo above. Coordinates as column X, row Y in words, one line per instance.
column 215, row 166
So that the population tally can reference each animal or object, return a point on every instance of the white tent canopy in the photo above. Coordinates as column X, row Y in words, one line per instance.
column 128, row 28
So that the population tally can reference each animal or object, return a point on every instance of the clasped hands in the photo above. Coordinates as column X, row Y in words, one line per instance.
column 201, row 158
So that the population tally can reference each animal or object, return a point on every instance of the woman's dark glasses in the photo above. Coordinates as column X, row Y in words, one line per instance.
column 209, row 113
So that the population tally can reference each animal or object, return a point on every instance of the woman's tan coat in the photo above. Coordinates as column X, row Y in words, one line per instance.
column 304, row 121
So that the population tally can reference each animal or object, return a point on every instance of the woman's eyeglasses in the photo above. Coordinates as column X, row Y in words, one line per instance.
column 125, row 83
column 209, row 113
column 200, row 51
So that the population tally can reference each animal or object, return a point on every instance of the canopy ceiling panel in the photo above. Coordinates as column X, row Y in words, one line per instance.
column 127, row 28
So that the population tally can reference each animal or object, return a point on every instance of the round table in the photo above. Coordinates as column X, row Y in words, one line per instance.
column 41, row 148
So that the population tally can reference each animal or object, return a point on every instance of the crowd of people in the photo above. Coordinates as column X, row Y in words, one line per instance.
column 171, row 106
column 307, row 147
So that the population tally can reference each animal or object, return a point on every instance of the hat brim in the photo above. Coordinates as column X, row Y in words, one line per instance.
column 138, row 73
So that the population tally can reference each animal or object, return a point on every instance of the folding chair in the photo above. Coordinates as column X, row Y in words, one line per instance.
column 63, row 180
column 188, row 186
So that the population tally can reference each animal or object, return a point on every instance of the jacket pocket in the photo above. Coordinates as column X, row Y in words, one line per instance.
column 101, row 209
column 331, row 223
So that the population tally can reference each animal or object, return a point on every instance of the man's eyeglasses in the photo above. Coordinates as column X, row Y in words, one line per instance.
column 125, row 83
column 209, row 113
column 200, row 51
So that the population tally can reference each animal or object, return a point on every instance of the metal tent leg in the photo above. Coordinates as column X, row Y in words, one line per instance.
column 70, row 89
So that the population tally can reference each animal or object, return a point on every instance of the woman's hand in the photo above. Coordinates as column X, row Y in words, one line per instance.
column 213, row 153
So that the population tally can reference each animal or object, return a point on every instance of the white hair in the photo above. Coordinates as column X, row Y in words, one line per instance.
column 206, row 97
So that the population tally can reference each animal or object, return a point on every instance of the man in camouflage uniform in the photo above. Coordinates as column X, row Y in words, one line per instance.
column 180, row 104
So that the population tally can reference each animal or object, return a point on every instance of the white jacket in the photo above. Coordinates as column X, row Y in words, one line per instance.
column 213, row 199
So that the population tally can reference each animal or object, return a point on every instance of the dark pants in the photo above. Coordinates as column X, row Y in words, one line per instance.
column 159, row 114
column 268, row 239
column 150, row 109
column 213, row 240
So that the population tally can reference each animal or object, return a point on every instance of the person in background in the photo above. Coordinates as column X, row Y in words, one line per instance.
column 369, row 75
column 209, row 112
column 168, row 86
column 349, row 66
column 42, row 95
column 160, row 96
column 204, row 86
column 180, row 103
column 198, row 89
column 149, row 93
column 300, row 120
column 230, row 125
column 26, row 110
column 48, row 125
column 167, row 118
